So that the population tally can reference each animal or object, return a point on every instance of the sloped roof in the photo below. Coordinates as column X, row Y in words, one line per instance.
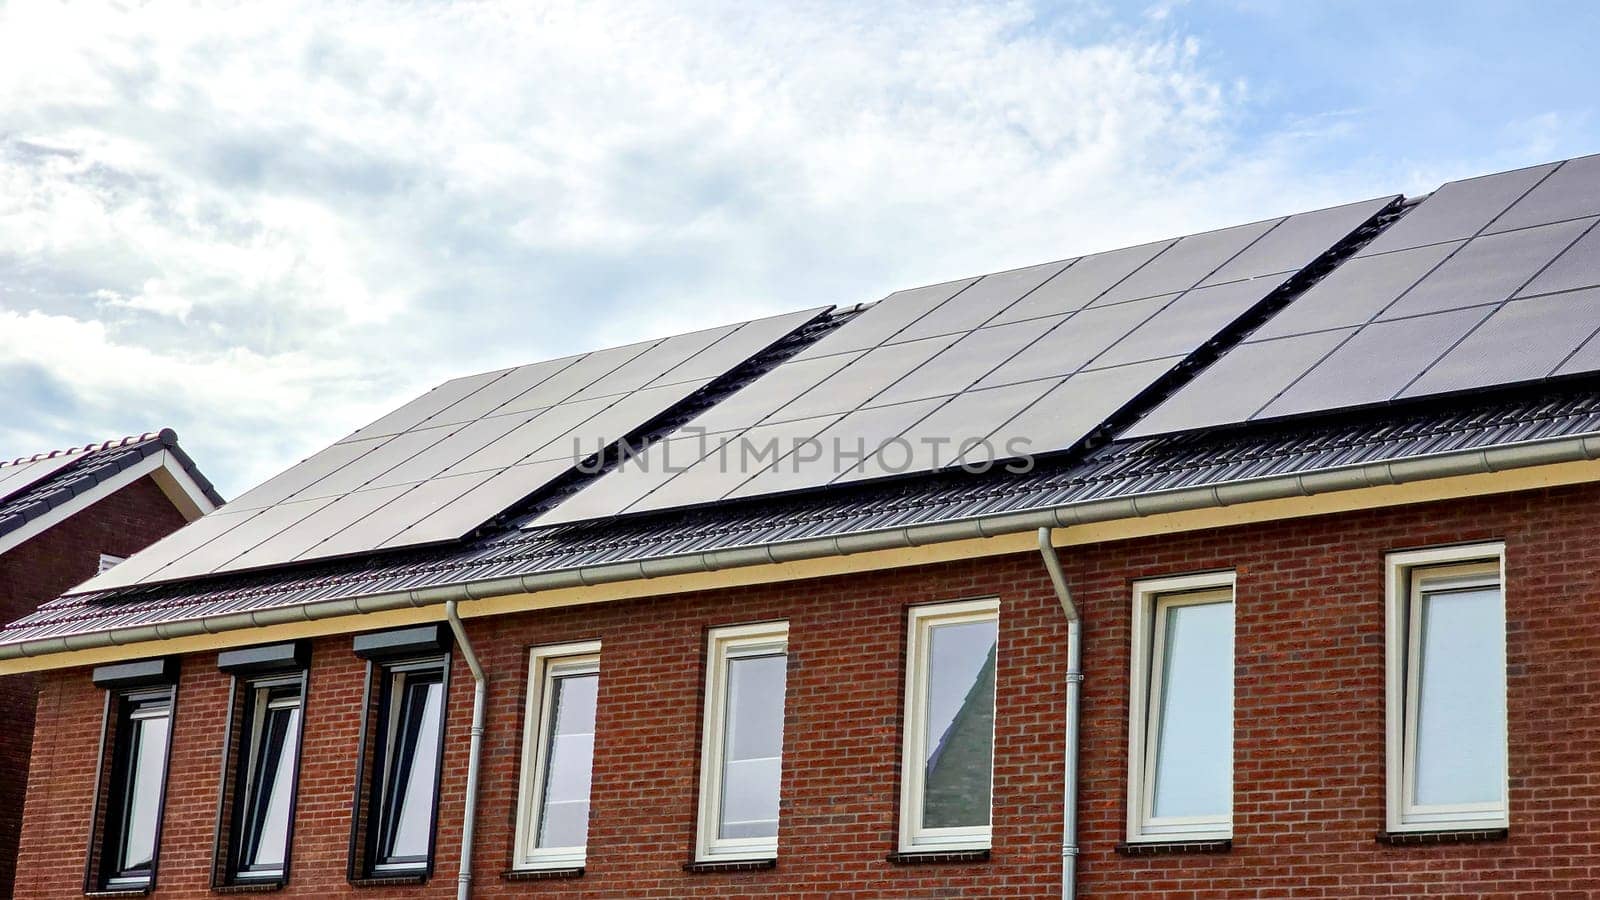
column 1122, row 471
column 32, row 486
column 1109, row 465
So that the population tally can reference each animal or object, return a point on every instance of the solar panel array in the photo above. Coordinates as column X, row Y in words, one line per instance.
column 1489, row 281
column 1039, row 356
column 454, row 458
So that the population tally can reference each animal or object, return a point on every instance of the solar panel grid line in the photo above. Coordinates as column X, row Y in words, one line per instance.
column 1337, row 347
column 1499, row 306
column 377, row 480
column 1574, row 182
column 927, row 325
column 366, row 482
column 866, row 466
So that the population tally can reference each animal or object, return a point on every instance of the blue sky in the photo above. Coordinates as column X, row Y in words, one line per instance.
column 264, row 225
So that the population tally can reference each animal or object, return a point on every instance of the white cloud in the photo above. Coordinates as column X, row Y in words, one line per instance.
column 264, row 223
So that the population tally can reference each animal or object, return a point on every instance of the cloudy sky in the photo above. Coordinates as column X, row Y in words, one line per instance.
column 264, row 225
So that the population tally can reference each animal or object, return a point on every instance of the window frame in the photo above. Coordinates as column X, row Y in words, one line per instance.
column 122, row 711
column 1407, row 574
column 376, row 760
column 245, row 758
column 546, row 664
column 723, row 644
column 920, row 622
column 1152, row 600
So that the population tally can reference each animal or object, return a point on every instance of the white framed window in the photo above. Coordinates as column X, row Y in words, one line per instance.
column 557, row 755
column 1446, row 703
column 1180, row 727
column 947, row 761
column 741, row 751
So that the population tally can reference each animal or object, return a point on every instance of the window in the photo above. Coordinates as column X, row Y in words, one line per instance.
column 131, row 774
column 138, row 783
column 265, row 773
column 1180, row 729
column 558, row 755
column 406, row 766
column 741, row 759
column 1447, row 689
column 947, row 763
column 107, row 562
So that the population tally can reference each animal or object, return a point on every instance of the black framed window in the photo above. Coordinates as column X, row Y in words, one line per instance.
column 266, row 772
column 139, row 744
column 405, row 771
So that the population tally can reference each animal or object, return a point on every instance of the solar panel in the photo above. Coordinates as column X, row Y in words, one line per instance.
column 1188, row 262
column 879, row 323
column 981, row 302
column 1380, row 360
column 1570, row 192
column 1079, row 284
column 1440, row 302
column 454, row 458
column 1458, row 210
column 1054, row 348
column 1523, row 340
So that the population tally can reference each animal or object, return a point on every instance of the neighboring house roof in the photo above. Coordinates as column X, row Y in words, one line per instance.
column 1527, row 281
column 39, row 491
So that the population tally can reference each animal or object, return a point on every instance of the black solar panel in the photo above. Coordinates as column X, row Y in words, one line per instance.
column 1056, row 348
column 455, row 457
column 1426, row 308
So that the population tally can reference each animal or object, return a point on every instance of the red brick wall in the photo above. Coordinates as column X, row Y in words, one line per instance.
column 1309, row 738
column 39, row 570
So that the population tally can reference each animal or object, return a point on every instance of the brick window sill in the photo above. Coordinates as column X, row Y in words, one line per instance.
column 388, row 881
column 732, row 865
column 1173, row 848
column 119, row 892
column 542, row 874
column 250, row 887
column 1428, row 838
column 938, row 857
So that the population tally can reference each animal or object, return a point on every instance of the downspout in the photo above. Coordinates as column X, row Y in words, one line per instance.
column 469, row 818
column 1069, row 780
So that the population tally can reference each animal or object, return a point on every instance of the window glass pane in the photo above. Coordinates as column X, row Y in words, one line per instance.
column 753, row 755
column 146, row 756
column 1461, row 699
column 564, row 818
column 281, row 738
column 417, row 756
column 1193, row 772
column 959, row 754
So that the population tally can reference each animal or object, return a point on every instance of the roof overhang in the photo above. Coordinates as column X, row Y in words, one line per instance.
column 163, row 467
column 1496, row 470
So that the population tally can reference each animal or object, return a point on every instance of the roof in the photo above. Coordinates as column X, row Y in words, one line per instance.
column 1118, row 471
column 1502, row 251
column 37, row 489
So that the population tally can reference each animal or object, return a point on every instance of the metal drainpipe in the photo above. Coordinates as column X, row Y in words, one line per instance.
column 1069, row 814
column 469, row 818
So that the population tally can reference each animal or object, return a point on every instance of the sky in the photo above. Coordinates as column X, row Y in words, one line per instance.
column 264, row 225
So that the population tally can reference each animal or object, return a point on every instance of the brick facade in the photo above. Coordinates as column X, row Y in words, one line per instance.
column 38, row 570
column 1309, row 734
